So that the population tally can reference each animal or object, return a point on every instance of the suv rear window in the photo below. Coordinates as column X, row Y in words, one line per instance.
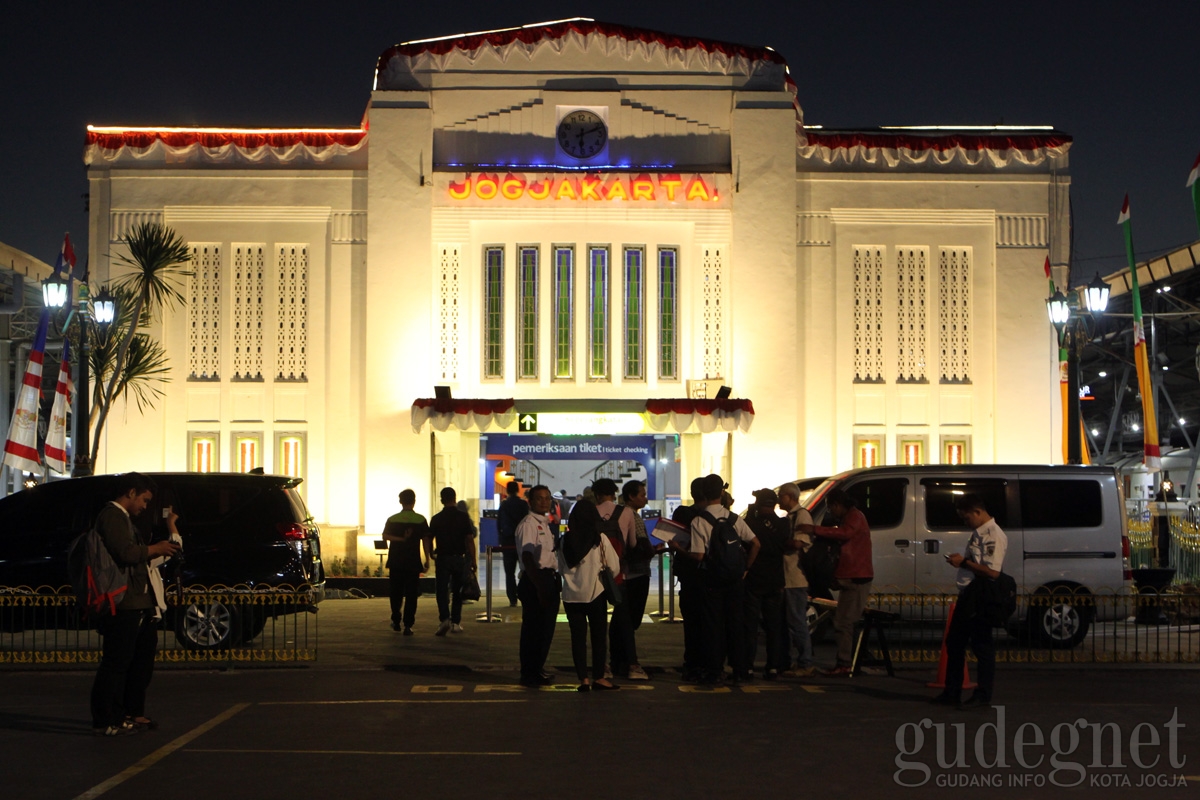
column 941, row 493
column 881, row 500
column 1061, row 504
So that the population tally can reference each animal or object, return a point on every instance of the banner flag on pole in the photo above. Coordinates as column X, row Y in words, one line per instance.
column 20, row 449
column 66, row 257
column 1150, row 449
column 1194, row 183
column 56, row 435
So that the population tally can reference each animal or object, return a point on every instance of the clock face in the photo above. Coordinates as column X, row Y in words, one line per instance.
column 582, row 134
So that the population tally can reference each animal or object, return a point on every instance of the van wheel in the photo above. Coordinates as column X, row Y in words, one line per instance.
column 1059, row 617
column 207, row 626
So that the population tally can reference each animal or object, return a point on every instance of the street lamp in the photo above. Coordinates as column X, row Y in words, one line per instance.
column 1071, row 316
column 54, row 294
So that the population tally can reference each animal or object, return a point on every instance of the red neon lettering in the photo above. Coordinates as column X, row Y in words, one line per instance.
column 697, row 189
column 643, row 188
column 616, row 190
column 566, row 190
column 589, row 188
column 461, row 191
column 486, row 187
column 670, row 183
column 512, row 187
column 541, row 192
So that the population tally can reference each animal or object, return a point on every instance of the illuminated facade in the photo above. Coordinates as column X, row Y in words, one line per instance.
column 581, row 217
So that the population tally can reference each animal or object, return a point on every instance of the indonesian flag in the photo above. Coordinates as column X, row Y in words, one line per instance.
column 56, row 435
column 66, row 257
column 1194, row 183
column 20, row 450
column 1150, row 449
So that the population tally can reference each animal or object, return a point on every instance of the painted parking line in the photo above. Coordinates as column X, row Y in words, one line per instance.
column 375, row 702
column 352, row 752
column 161, row 753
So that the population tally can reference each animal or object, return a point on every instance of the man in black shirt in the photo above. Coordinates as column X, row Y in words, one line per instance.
column 512, row 510
column 763, row 603
column 405, row 533
column 454, row 552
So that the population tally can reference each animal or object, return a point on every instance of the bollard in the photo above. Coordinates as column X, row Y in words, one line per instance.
column 660, row 612
column 487, row 615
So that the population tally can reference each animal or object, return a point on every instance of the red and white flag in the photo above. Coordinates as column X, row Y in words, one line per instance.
column 20, row 449
column 56, row 434
column 1195, row 173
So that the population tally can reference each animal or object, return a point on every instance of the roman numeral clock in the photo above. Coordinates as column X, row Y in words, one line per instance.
column 582, row 134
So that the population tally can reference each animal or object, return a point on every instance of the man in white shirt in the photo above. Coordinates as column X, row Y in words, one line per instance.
column 795, row 584
column 722, row 607
column 538, row 588
column 982, row 561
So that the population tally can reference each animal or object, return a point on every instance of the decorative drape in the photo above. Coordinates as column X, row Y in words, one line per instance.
column 699, row 416
column 278, row 146
column 462, row 414
column 893, row 149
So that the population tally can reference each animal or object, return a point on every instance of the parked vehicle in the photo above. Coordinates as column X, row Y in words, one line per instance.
column 246, row 532
column 1066, row 527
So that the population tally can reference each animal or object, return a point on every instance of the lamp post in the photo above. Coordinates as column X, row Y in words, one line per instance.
column 54, row 294
column 1071, row 315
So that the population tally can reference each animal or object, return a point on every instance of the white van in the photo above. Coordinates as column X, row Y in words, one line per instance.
column 1066, row 527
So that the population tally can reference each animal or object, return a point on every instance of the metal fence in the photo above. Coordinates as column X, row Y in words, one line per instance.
column 1180, row 551
column 1063, row 627
column 220, row 624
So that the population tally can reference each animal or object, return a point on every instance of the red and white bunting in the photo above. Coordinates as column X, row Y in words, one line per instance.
column 699, row 416
column 480, row 415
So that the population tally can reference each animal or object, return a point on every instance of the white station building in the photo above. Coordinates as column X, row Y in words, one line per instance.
column 585, row 230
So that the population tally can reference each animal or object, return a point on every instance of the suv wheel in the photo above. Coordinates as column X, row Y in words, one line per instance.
column 207, row 626
column 1060, row 617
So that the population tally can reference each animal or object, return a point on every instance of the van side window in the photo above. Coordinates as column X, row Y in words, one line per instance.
column 881, row 501
column 940, row 494
column 1061, row 504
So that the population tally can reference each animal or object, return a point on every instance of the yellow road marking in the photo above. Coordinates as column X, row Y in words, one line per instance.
column 368, row 702
column 161, row 753
column 812, row 689
column 353, row 752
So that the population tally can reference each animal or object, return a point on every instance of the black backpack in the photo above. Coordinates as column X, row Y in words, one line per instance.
column 820, row 561
column 99, row 582
column 725, row 560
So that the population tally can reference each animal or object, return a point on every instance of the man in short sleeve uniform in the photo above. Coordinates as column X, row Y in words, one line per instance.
column 538, row 589
column 983, row 560
column 405, row 533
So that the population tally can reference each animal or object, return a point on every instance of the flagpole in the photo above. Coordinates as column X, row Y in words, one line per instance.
column 83, row 460
column 1150, row 443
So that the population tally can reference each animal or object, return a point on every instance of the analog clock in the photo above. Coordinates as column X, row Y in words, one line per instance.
column 582, row 134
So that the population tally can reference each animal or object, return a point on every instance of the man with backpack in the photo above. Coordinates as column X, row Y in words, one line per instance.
column 130, row 632
column 718, row 542
column 853, row 574
column 971, row 624
column 512, row 510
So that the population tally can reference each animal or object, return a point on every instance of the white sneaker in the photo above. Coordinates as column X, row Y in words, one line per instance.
column 636, row 673
column 445, row 626
column 607, row 673
column 456, row 628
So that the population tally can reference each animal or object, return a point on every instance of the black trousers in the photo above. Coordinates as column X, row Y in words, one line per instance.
column 626, row 619
column 450, row 572
column 585, row 617
column 765, row 609
column 537, row 620
column 723, row 619
column 404, row 588
column 969, row 628
column 126, row 667
column 510, row 558
column 691, row 606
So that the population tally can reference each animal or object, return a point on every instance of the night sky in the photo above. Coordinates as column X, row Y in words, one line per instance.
column 1120, row 77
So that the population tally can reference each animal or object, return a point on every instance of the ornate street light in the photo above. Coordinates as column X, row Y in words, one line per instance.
column 1071, row 319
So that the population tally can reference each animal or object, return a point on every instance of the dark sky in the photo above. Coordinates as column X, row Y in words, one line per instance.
column 1120, row 77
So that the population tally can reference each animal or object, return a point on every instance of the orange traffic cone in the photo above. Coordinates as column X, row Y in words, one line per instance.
column 940, row 683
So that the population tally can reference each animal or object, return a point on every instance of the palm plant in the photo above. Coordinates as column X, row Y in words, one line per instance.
column 146, row 362
column 157, row 257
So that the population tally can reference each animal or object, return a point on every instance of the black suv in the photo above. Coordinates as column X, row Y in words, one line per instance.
column 245, row 532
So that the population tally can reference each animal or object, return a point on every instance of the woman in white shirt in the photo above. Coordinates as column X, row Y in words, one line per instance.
column 584, row 552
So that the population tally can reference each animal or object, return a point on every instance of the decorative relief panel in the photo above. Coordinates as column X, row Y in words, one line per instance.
column 204, row 313
column 449, row 263
column 712, row 268
column 911, row 299
column 813, row 229
column 121, row 222
column 348, row 227
column 1022, row 230
column 249, row 272
column 868, row 314
column 954, row 314
column 292, row 319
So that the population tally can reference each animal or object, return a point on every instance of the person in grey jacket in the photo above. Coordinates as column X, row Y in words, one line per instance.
column 131, row 634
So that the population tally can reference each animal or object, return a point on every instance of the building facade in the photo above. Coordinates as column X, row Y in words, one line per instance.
column 584, row 219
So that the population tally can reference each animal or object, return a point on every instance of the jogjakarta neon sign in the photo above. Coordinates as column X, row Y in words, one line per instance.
column 669, row 187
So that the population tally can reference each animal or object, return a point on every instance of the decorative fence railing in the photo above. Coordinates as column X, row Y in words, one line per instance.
column 221, row 624
column 1179, row 549
column 1147, row 627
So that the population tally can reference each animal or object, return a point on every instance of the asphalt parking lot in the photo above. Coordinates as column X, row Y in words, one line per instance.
column 381, row 714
